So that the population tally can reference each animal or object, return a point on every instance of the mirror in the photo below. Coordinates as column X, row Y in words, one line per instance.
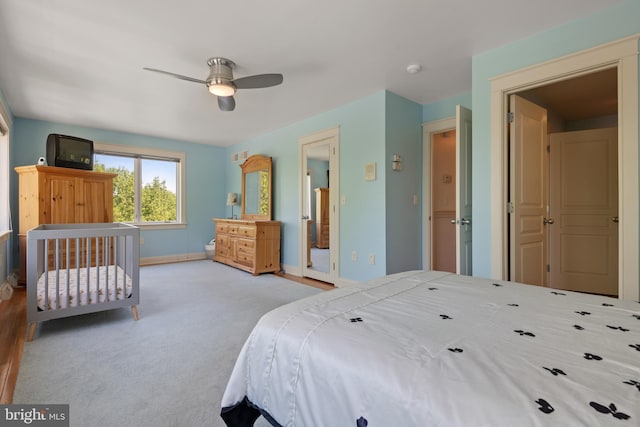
column 256, row 188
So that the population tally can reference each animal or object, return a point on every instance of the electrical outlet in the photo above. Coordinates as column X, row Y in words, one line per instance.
column 372, row 259
column 354, row 256
column 141, row 241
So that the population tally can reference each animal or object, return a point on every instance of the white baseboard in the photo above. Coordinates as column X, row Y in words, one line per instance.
column 167, row 259
column 291, row 269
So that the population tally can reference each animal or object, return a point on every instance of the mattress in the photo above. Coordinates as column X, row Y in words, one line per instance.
column 436, row 349
column 86, row 286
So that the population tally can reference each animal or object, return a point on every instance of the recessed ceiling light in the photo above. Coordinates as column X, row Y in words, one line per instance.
column 413, row 68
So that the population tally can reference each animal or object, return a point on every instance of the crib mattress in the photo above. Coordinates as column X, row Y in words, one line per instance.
column 85, row 286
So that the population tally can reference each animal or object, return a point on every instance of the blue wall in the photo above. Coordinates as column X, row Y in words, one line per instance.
column 445, row 108
column 403, row 217
column 608, row 25
column 205, row 181
column 362, row 140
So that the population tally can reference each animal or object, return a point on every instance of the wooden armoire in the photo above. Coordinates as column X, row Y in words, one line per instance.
column 322, row 218
column 54, row 195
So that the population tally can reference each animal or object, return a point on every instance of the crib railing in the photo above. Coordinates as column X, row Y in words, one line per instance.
column 98, row 262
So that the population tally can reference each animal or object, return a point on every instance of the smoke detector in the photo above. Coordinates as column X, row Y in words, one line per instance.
column 414, row 68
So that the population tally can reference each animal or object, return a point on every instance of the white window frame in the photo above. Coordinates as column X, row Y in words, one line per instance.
column 152, row 153
column 5, row 212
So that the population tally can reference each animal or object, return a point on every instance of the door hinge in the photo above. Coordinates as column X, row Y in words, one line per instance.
column 509, row 207
column 548, row 268
column 548, row 148
column 510, row 117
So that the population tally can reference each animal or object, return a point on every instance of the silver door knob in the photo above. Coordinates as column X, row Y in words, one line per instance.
column 454, row 221
column 305, row 217
column 549, row 221
column 615, row 219
column 464, row 221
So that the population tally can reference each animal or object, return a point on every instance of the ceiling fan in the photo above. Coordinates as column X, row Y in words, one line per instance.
column 222, row 84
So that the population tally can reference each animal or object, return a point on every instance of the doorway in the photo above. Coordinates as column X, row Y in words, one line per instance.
column 447, row 186
column 563, row 184
column 621, row 55
column 443, row 201
column 319, row 190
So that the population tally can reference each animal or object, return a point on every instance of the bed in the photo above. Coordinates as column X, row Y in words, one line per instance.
column 81, row 268
column 427, row 348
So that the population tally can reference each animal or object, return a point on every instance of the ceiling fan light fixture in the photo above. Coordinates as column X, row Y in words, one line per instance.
column 222, row 88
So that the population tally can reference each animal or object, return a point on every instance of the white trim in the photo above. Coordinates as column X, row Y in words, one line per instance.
column 428, row 129
column 332, row 138
column 168, row 259
column 622, row 54
column 5, row 154
column 5, row 118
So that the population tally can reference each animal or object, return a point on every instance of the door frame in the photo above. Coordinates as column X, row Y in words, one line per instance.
column 621, row 54
column 330, row 137
column 428, row 130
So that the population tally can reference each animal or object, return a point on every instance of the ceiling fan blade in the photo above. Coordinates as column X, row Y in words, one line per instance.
column 258, row 81
column 179, row 76
column 226, row 103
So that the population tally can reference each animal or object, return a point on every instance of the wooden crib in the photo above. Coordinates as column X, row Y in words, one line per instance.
column 81, row 268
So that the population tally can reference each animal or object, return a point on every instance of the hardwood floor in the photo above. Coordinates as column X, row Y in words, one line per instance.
column 307, row 281
column 13, row 325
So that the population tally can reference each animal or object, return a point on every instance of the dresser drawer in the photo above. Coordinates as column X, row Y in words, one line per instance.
column 246, row 231
column 222, row 228
column 246, row 245
column 222, row 241
column 245, row 258
column 222, row 251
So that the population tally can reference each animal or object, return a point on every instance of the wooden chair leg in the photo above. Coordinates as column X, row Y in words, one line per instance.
column 134, row 310
column 32, row 331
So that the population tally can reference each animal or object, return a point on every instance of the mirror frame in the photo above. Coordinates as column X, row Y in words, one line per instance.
column 256, row 163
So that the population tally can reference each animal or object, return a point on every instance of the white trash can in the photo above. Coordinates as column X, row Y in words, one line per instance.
column 210, row 249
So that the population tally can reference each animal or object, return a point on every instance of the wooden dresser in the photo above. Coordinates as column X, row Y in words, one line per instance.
column 249, row 245
column 322, row 218
column 54, row 195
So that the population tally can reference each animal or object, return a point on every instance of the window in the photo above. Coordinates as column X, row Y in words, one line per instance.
column 5, row 213
column 148, row 190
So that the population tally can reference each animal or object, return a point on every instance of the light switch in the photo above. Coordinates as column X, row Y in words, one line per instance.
column 370, row 172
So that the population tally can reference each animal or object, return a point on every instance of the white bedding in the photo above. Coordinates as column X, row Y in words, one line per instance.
column 102, row 283
column 436, row 349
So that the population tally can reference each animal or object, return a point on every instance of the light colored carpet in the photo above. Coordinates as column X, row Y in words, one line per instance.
column 320, row 260
column 169, row 368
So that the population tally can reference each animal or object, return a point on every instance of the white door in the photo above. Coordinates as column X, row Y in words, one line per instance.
column 528, row 192
column 319, row 265
column 584, row 206
column 463, row 190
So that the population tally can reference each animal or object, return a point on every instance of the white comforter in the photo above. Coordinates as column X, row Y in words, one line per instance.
column 436, row 349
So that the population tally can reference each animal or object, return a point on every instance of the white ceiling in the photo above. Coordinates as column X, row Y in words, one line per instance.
column 80, row 61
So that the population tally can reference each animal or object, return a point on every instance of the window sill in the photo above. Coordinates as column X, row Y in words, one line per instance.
column 160, row 226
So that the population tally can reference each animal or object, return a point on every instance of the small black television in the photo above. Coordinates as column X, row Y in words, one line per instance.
column 69, row 152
